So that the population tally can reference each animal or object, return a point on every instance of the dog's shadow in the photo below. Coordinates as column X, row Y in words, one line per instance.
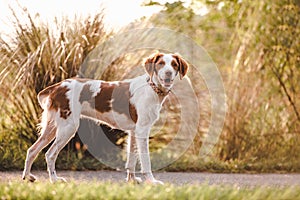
column 103, row 142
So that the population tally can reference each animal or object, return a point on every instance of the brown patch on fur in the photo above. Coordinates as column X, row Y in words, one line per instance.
column 160, row 63
column 59, row 100
column 183, row 65
column 85, row 94
column 115, row 97
column 133, row 113
column 150, row 64
column 175, row 65
column 103, row 99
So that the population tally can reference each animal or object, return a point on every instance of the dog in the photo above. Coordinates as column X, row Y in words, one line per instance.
column 131, row 105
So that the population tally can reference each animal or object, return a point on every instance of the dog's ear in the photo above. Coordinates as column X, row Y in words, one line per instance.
column 183, row 65
column 149, row 63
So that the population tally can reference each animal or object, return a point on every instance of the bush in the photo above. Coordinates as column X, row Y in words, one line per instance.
column 33, row 57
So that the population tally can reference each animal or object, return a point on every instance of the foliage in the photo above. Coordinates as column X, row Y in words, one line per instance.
column 264, row 122
column 107, row 190
column 256, row 46
column 33, row 57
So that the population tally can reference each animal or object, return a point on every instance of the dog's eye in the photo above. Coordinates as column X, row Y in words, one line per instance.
column 174, row 64
column 161, row 63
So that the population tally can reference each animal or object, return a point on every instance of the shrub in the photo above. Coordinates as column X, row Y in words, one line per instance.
column 37, row 55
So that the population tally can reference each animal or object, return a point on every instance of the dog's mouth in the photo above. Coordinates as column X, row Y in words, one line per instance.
column 167, row 82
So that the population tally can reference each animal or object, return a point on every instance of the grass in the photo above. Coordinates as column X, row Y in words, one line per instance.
column 107, row 190
column 196, row 164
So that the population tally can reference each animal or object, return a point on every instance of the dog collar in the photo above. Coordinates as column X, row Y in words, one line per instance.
column 158, row 90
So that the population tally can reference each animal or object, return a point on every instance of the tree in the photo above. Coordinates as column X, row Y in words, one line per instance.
column 255, row 43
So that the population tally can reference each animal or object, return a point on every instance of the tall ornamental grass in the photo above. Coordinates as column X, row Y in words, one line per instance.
column 34, row 56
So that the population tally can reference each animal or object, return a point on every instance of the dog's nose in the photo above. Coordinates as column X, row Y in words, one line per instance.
column 167, row 80
column 168, row 73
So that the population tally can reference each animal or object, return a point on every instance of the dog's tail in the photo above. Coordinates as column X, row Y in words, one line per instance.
column 45, row 102
column 43, row 96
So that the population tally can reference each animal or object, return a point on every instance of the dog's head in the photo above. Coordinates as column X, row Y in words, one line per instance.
column 163, row 68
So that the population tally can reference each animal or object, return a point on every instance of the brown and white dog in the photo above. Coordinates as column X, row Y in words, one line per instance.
column 131, row 105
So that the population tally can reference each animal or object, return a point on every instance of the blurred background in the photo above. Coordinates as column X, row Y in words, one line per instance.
column 254, row 43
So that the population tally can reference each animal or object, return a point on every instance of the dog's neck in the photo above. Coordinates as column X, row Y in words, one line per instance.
column 158, row 88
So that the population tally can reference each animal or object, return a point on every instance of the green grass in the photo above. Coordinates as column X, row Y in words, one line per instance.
column 107, row 190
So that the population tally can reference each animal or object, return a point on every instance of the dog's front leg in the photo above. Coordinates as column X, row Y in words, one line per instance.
column 142, row 141
column 131, row 159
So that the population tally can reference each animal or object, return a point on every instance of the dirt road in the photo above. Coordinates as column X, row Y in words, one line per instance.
column 178, row 178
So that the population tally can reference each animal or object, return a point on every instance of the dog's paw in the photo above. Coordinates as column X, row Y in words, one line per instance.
column 58, row 179
column 131, row 178
column 137, row 180
column 30, row 177
column 151, row 180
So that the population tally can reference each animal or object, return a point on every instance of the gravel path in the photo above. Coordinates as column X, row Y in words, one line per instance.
column 178, row 178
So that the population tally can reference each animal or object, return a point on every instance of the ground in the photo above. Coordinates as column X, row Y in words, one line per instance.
column 177, row 178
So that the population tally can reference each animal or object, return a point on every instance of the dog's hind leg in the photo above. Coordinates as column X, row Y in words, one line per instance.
column 65, row 131
column 47, row 135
